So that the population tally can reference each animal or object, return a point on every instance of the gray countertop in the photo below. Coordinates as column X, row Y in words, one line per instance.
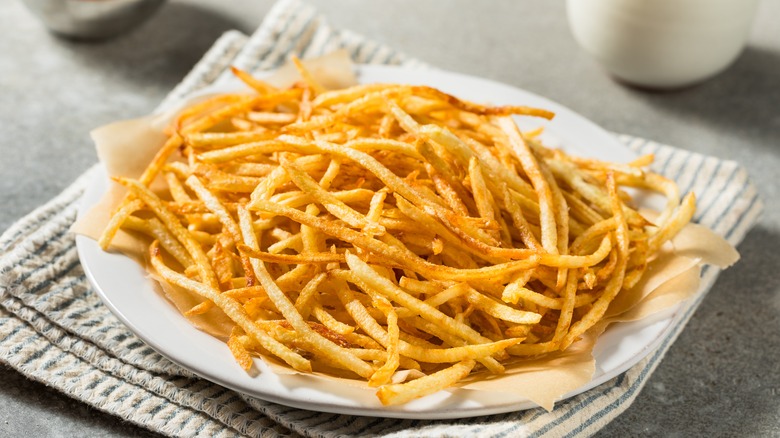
column 721, row 377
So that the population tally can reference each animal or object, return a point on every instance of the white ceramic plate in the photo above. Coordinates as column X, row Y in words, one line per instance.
column 130, row 295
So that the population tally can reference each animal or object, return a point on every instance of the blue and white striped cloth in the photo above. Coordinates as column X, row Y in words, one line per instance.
column 55, row 329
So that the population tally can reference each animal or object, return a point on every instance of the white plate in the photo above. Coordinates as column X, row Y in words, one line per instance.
column 125, row 289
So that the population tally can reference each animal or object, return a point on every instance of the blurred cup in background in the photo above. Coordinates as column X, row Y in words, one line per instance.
column 662, row 44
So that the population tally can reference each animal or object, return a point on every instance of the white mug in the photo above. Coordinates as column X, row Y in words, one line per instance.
column 662, row 43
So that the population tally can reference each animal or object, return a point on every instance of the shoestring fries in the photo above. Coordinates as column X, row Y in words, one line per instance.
column 384, row 228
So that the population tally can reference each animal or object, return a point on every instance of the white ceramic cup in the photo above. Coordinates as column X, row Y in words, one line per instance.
column 662, row 43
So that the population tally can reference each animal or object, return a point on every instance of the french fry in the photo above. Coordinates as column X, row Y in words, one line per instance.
column 399, row 393
column 258, row 85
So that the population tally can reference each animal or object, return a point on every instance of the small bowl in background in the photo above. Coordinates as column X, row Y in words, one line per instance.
column 662, row 44
column 92, row 19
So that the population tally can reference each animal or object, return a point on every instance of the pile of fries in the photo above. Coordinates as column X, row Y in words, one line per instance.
column 384, row 228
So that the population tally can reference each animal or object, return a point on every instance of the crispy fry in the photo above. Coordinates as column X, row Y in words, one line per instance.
column 385, row 372
column 399, row 393
column 238, row 349
column 118, row 218
column 261, row 87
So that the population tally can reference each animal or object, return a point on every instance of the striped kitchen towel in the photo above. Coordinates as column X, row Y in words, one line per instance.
column 55, row 329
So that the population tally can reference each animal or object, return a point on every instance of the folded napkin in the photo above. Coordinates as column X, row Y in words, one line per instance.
column 55, row 329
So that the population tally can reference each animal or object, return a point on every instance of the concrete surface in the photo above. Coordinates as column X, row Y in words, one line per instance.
column 721, row 378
